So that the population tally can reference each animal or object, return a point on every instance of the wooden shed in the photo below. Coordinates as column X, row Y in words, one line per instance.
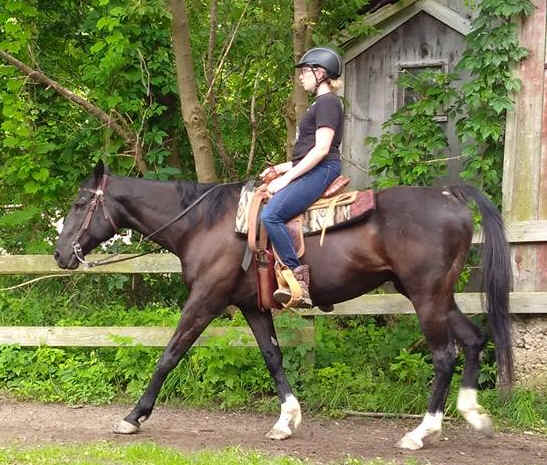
column 413, row 35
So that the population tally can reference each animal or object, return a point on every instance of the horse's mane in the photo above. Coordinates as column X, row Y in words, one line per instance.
column 214, row 205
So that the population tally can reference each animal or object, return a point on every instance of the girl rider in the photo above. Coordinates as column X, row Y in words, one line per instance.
column 315, row 163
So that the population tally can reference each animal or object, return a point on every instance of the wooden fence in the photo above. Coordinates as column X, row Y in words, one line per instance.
column 373, row 304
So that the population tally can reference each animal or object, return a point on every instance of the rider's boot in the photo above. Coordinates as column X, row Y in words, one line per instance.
column 300, row 278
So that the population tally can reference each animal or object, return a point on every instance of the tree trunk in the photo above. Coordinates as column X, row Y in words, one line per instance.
column 314, row 10
column 299, row 47
column 192, row 111
column 306, row 14
column 218, row 139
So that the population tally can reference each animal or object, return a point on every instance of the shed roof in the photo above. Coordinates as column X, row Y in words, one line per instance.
column 389, row 16
column 374, row 5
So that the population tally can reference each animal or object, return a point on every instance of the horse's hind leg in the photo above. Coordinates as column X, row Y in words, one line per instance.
column 261, row 324
column 433, row 316
column 472, row 341
column 196, row 316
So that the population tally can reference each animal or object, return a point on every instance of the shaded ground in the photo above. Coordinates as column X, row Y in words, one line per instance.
column 320, row 440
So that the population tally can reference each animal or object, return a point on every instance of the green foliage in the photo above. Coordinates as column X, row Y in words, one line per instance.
column 490, row 57
column 525, row 408
column 412, row 368
column 55, row 375
column 141, row 453
column 337, row 16
column 412, row 149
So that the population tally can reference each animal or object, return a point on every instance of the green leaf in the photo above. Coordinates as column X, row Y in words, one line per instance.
column 31, row 187
column 41, row 175
column 97, row 47
column 45, row 147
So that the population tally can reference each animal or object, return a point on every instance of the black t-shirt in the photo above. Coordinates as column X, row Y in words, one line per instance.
column 326, row 111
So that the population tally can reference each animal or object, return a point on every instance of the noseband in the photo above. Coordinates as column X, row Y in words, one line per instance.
column 96, row 200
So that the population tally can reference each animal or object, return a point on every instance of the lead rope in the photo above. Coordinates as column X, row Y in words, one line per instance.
column 26, row 283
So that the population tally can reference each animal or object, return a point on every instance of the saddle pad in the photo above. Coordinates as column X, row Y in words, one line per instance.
column 323, row 214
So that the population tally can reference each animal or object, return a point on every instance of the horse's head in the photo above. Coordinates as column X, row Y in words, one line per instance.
column 90, row 221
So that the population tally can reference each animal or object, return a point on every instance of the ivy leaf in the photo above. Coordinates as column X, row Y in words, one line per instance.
column 501, row 104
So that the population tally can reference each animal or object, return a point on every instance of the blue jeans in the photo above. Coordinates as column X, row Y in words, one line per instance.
column 293, row 200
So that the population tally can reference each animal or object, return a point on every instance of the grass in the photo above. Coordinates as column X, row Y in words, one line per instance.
column 105, row 453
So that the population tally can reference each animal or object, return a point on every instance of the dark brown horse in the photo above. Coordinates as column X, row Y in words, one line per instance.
column 417, row 238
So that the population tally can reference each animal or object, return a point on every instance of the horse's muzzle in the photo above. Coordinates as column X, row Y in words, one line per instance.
column 66, row 263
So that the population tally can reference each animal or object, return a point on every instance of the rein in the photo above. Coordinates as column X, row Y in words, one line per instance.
column 99, row 199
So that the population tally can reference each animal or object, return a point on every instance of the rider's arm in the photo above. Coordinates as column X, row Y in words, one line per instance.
column 323, row 141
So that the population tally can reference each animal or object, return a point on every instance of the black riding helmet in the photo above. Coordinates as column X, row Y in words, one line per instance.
column 325, row 58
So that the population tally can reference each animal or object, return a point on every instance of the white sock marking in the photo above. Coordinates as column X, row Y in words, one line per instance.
column 472, row 411
column 431, row 424
column 290, row 412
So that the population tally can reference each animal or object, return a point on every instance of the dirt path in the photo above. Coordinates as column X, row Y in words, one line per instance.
column 320, row 440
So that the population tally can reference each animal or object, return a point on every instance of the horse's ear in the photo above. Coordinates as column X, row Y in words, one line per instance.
column 100, row 170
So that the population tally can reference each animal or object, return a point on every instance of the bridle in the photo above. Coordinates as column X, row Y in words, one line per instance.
column 96, row 201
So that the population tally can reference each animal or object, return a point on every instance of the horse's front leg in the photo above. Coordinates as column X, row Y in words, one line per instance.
column 261, row 324
column 197, row 313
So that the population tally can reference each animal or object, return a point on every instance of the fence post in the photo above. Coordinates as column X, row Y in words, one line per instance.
column 525, row 192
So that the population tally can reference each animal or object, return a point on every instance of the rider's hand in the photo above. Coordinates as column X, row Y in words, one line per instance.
column 278, row 183
column 269, row 174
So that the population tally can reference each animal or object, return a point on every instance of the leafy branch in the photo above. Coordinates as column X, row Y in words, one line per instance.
column 492, row 51
column 118, row 125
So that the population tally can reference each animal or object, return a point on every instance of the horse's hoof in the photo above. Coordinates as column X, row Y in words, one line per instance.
column 486, row 426
column 481, row 422
column 410, row 443
column 279, row 434
column 433, row 437
column 124, row 427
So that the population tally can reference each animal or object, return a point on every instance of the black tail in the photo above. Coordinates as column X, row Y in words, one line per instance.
column 496, row 279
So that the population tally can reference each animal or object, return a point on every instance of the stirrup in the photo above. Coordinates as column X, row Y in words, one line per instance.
column 282, row 295
column 298, row 299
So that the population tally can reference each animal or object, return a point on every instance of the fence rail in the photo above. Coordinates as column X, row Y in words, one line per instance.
column 369, row 304
column 146, row 336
